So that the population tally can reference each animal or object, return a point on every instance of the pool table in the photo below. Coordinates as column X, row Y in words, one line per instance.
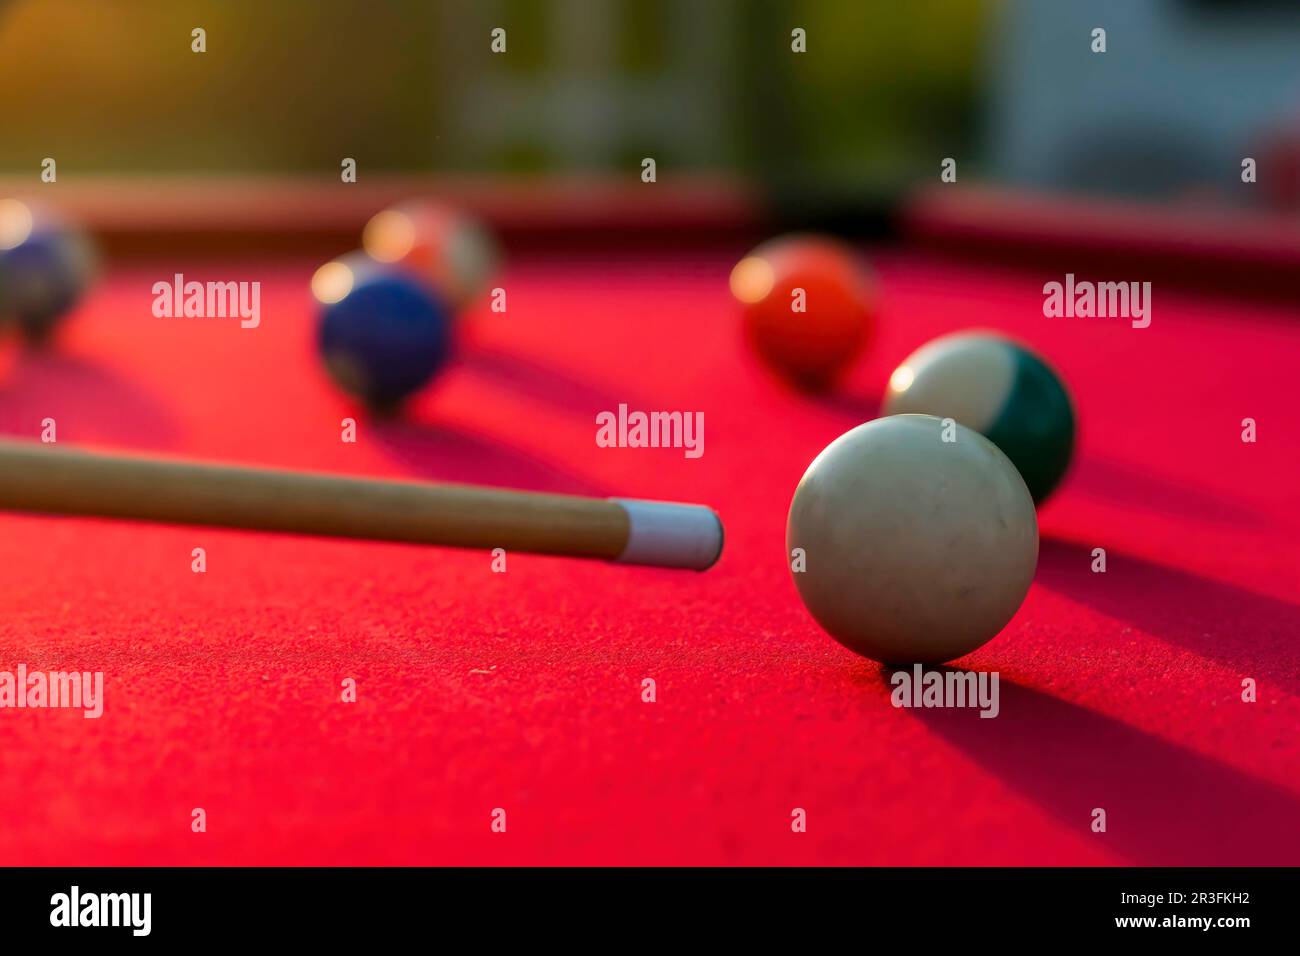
column 522, row 691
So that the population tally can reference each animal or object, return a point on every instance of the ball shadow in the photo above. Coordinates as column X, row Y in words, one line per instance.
column 1165, row 805
column 87, row 401
column 1253, row 634
column 543, row 383
column 860, row 408
column 439, row 452
column 1117, row 482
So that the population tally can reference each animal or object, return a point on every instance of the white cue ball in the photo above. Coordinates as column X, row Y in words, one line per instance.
column 917, row 549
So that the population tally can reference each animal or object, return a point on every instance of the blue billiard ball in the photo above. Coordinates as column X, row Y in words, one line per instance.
column 46, row 265
column 383, row 332
column 1000, row 388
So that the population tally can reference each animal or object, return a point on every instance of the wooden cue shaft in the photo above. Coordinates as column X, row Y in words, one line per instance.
column 40, row 478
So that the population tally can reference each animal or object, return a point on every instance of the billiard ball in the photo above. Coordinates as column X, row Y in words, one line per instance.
column 999, row 387
column 806, row 306
column 383, row 333
column 46, row 265
column 915, row 549
column 446, row 246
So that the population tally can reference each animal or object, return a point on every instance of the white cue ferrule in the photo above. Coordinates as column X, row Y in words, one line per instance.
column 671, row 535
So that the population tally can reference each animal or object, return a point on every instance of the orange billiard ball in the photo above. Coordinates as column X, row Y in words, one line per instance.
column 807, row 305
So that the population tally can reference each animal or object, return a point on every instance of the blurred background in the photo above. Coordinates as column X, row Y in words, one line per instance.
column 1010, row 89
column 411, row 86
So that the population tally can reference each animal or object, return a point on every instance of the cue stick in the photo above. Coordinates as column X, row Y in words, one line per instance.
column 45, row 478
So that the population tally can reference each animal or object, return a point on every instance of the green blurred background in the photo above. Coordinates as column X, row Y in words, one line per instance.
column 887, row 88
column 292, row 86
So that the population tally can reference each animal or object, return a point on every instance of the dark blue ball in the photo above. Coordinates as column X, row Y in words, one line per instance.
column 386, row 337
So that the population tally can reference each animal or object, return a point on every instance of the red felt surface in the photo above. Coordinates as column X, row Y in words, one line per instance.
column 522, row 690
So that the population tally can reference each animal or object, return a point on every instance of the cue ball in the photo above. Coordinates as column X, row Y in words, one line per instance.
column 806, row 306
column 383, row 333
column 443, row 245
column 46, row 265
column 999, row 387
column 917, row 549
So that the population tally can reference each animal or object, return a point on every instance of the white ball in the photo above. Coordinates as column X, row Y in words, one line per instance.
column 917, row 549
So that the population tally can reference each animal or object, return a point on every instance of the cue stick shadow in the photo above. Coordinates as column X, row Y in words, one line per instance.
column 440, row 452
column 87, row 400
column 1165, row 804
column 1252, row 634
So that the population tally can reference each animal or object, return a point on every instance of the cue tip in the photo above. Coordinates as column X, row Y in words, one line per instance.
column 667, row 534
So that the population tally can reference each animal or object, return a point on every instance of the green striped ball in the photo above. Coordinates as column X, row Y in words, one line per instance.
column 998, row 387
